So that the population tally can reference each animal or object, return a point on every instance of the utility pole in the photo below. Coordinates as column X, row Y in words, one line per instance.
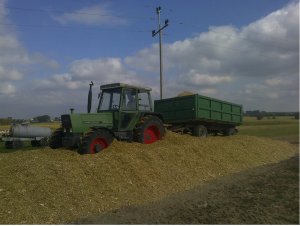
column 159, row 31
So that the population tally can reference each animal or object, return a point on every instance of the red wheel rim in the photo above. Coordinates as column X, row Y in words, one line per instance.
column 151, row 135
column 97, row 145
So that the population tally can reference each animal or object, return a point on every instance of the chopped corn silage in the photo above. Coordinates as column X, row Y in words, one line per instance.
column 48, row 186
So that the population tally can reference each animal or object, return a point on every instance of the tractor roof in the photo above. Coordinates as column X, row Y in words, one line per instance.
column 122, row 85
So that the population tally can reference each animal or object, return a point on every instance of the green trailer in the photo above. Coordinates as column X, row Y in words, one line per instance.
column 200, row 115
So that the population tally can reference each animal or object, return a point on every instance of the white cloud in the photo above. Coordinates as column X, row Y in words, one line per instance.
column 14, row 58
column 196, row 79
column 9, row 74
column 81, row 72
column 279, row 82
column 7, row 89
column 91, row 15
column 105, row 70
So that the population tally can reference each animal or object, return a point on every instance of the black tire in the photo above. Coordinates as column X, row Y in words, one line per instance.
column 200, row 131
column 149, row 130
column 14, row 144
column 43, row 142
column 34, row 143
column 95, row 140
column 56, row 139
column 229, row 131
column 8, row 144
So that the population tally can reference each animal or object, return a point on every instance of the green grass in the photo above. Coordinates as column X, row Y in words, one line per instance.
column 282, row 128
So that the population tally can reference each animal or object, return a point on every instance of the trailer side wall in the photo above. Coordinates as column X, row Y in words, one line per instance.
column 217, row 110
column 198, row 108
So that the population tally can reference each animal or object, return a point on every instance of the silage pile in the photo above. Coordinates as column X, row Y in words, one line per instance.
column 58, row 186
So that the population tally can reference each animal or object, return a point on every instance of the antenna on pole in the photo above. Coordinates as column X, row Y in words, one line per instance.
column 159, row 31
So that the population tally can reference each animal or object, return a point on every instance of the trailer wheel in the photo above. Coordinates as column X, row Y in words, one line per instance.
column 8, row 144
column 95, row 141
column 43, row 142
column 34, row 143
column 14, row 144
column 229, row 131
column 200, row 131
column 149, row 130
column 56, row 139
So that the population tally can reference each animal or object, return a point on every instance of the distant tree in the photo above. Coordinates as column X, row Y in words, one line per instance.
column 297, row 115
column 57, row 119
column 259, row 116
column 5, row 121
column 43, row 118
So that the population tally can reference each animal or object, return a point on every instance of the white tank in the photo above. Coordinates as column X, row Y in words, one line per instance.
column 27, row 131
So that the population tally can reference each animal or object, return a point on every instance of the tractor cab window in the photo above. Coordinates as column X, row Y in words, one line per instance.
column 129, row 99
column 144, row 101
column 110, row 100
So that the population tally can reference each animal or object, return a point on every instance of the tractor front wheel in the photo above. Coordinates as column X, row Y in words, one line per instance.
column 94, row 141
column 149, row 130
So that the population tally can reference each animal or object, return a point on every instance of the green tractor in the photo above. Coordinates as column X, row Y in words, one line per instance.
column 124, row 112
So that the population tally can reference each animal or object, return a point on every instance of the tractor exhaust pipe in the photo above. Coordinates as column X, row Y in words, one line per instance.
column 89, row 105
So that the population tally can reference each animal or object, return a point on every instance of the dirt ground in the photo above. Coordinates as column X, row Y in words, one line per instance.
column 264, row 195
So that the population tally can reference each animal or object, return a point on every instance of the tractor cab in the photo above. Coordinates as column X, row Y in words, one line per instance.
column 119, row 96
column 126, row 102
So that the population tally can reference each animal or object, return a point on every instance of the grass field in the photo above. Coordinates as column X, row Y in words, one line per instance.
column 282, row 128
column 60, row 186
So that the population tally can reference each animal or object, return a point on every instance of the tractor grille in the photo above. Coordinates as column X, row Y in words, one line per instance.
column 66, row 121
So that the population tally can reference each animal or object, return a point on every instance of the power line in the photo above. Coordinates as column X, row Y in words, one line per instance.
column 74, row 12
column 133, row 17
column 72, row 27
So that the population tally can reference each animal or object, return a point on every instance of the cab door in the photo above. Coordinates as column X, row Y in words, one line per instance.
column 128, row 109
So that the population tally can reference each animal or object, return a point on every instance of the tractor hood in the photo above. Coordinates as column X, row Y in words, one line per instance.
column 80, row 123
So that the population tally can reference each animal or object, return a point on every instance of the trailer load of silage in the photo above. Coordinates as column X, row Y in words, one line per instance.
column 48, row 186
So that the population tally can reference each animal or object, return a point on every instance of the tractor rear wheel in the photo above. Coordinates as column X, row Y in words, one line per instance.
column 149, row 130
column 56, row 139
column 94, row 141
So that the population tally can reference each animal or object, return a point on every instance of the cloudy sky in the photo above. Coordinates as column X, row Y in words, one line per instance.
column 245, row 52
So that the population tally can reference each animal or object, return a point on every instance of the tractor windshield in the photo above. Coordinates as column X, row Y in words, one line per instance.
column 110, row 100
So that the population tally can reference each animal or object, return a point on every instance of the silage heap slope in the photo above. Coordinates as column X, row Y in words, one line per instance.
column 57, row 186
